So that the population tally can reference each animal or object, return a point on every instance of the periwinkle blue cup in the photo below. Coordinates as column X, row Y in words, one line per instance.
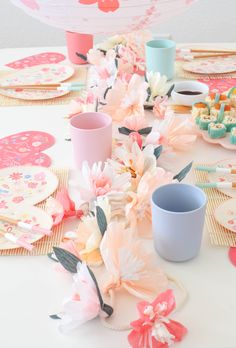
column 178, row 214
column 160, row 57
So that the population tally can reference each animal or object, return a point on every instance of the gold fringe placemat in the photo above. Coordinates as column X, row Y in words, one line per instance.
column 219, row 235
column 80, row 75
column 45, row 244
column 181, row 73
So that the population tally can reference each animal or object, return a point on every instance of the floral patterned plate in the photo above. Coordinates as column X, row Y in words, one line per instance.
column 225, row 215
column 27, row 185
column 211, row 66
column 31, row 215
column 216, row 177
column 41, row 74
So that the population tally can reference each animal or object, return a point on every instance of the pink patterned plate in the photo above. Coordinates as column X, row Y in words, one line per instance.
column 211, row 66
column 25, row 185
column 216, row 177
column 41, row 74
column 31, row 215
column 224, row 142
column 225, row 215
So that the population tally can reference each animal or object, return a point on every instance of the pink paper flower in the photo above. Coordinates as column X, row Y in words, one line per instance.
column 83, row 304
column 160, row 107
column 173, row 133
column 79, row 105
column 136, row 137
column 126, row 99
column 99, row 181
column 154, row 329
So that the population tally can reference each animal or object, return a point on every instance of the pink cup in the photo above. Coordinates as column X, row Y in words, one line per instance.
column 91, row 136
column 78, row 43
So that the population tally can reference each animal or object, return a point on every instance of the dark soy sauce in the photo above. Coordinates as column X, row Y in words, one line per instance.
column 189, row 92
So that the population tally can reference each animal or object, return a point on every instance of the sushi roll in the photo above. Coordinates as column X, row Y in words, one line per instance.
column 220, row 111
column 232, row 96
column 233, row 136
column 216, row 130
column 229, row 122
column 198, row 109
column 216, row 98
column 205, row 120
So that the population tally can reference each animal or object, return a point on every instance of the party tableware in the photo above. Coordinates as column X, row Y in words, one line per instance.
column 216, row 169
column 224, row 185
column 224, row 142
column 211, row 66
column 25, row 225
column 41, row 74
column 225, row 214
column 28, row 214
column 78, row 45
column 178, row 213
column 160, row 57
column 91, row 135
column 189, row 99
column 37, row 59
column 224, row 177
column 66, row 86
column 25, row 185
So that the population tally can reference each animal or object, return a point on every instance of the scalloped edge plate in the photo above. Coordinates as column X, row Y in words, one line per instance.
column 225, row 214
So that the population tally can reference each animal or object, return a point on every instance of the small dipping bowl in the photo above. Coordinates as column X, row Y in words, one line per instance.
column 189, row 92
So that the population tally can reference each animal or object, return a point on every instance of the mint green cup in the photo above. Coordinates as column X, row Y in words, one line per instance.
column 160, row 57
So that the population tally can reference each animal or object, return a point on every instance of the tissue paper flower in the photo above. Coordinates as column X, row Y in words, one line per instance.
column 62, row 207
column 135, row 123
column 160, row 107
column 138, row 202
column 157, row 84
column 154, row 329
column 173, row 133
column 126, row 99
column 131, row 159
column 99, row 181
column 83, row 305
column 129, row 265
column 81, row 104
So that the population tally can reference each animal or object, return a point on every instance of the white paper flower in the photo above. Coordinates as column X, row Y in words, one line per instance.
column 157, row 84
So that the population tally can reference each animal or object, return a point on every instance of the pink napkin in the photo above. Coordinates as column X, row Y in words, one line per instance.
column 219, row 85
column 37, row 59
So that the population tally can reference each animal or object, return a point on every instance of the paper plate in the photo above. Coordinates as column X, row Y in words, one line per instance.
column 25, row 185
column 211, row 66
column 225, row 215
column 31, row 215
column 216, row 177
column 41, row 74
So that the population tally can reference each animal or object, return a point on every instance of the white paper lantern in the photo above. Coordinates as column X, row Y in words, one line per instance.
column 102, row 16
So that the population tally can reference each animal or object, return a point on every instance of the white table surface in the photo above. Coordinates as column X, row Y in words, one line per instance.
column 30, row 288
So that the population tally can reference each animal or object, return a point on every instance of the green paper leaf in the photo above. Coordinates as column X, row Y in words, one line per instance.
column 82, row 56
column 54, row 316
column 158, row 151
column 101, row 220
column 145, row 131
column 106, row 91
column 182, row 174
column 67, row 260
column 124, row 130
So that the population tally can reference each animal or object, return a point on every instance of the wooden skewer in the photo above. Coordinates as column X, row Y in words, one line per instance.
column 211, row 51
column 214, row 55
column 18, row 241
column 30, row 87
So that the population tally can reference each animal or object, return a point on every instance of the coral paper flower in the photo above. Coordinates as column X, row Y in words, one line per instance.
column 154, row 329
column 126, row 99
column 129, row 265
column 83, row 305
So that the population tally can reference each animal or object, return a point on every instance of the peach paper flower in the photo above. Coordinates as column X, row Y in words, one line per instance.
column 135, row 123
column 173, row 133
column 126, row 99
column 160, row 107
